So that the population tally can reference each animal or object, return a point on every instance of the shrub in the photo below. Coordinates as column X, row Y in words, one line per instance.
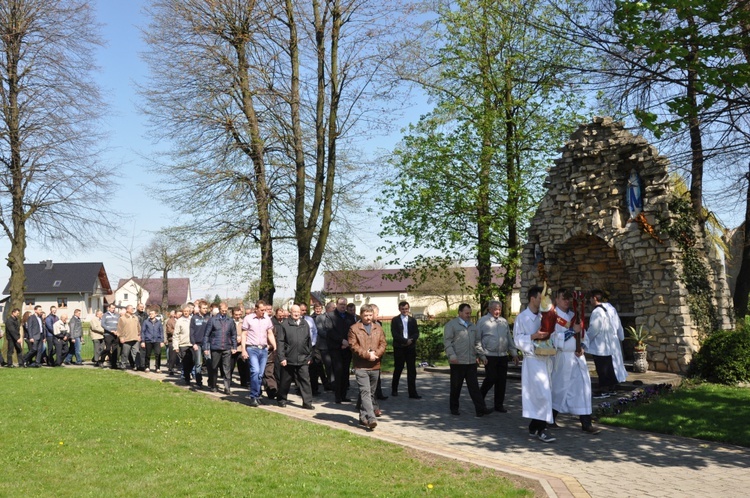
column 724, row 357
column 430, row 346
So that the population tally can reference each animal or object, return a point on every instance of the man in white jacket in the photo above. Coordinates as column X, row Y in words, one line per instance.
column 605, row 333
column 536, row 394
column 571, row 383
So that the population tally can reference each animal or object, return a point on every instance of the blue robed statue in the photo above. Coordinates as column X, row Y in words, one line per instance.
column 634, row 193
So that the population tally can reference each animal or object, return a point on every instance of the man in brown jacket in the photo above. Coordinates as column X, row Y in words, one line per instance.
column 367, row 343
column 129, row 332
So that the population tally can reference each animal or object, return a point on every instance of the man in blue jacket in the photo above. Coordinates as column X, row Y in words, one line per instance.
column 220, row 343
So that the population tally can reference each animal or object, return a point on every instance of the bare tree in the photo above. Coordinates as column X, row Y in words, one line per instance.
column 164, row 254
column 51, row 183
column 262, row 100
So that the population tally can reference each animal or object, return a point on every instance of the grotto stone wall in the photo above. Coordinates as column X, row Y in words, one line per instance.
column 588, row 241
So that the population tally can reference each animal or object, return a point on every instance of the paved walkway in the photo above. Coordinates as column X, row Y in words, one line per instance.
column 616, row 463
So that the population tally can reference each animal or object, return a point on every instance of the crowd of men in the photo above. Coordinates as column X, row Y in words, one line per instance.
column 273, row 349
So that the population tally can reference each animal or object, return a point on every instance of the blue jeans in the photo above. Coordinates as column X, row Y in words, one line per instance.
column 257, row 358
column 75, row 349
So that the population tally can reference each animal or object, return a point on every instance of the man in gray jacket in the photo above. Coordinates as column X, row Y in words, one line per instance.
column 464, row 350
column 498, row 344
column 75, row 339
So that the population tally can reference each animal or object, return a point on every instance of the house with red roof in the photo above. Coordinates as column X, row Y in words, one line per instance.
column 386, row 288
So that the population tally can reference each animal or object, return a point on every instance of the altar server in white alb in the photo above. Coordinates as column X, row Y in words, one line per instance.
column 571, row 383
column 605, row 334
column 536, row 393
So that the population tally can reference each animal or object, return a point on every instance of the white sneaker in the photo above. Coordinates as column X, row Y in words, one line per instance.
column 158, row 370
column 546, row 437
column 148, row 370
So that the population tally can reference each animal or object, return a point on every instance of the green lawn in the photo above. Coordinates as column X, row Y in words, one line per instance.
column 707, row 411
column 84, row 432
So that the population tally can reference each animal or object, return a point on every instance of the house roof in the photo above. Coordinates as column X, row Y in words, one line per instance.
column 370, row 281
column 179, row 289
column 47, row 277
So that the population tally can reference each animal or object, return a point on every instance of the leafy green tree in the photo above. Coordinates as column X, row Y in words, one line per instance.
column 680, row 67
column 467, row 176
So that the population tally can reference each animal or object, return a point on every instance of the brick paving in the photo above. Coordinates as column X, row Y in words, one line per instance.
column 616, row 463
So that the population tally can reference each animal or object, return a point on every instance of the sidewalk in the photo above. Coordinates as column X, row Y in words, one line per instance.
column 616, row 463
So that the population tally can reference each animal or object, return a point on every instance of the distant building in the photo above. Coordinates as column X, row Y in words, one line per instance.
column 380, row 287
column 69, row 286
column 148, row 291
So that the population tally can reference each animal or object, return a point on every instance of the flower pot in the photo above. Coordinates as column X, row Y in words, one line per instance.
column 640, row 363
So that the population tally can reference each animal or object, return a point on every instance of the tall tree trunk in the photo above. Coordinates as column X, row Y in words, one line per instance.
column 742, row 288
column 165, row 292
column 486, row 158
column 309, row 257
column 512, row 205
column 256, row 153
column 696, row 143
column 17, row 233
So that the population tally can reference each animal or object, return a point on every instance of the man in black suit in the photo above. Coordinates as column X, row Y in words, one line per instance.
column 338, row 347
column 295, row 356
column 13, row 337
column 35, row 338
column 405, row 334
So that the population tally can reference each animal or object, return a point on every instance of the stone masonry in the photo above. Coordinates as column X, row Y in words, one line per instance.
column 582, row 226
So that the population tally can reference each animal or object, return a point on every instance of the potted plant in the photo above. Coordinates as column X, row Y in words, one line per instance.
column 639, row 336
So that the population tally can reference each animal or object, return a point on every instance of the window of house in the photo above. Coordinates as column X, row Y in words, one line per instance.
column 62, row 302
column 56, row 283
column 29, row 301
column 125, row 297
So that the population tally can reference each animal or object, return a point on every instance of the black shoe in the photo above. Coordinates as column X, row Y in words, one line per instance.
column 254, row 402
column 591, row 430
column 308, row 407
column 484, row 412
column 394, row 394
column 455, row 412
column 416, row 396
column 553, row 425
column 281, row 403
column 316, row 393
column 346, row 400
column 381, row 397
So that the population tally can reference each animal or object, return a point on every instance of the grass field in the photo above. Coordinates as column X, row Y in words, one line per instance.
column 706, row 411
column 86, row 432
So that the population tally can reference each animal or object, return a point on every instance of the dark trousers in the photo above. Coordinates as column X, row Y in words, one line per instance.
column 605, row 370
column 61, row 350
column 495, row 375
column 537, row 426
column 14, row 346
column 129, row 354
column 111, row 350
column 405, row 356
column 459, row 373
column 172, row 356
column 340, row 360
column 223, row 358
column 272, row 374
column 188, row 363
column 585, row 419
column 98, row 349
column 30, row 356
column 300, row 374
column 50, row 352
column 318, row 370
column 156, row 348
column 242, row 367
